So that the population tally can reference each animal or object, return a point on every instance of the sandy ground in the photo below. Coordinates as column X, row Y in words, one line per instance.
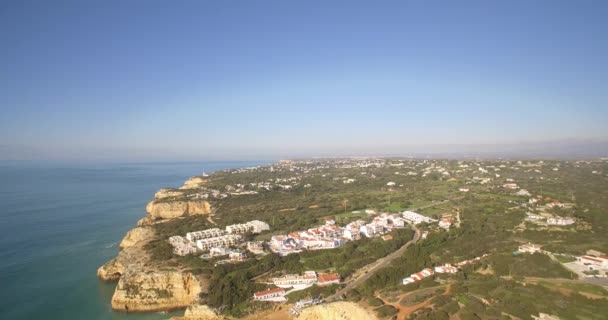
column 281, row 312
column 405, row 311
column 337, row 311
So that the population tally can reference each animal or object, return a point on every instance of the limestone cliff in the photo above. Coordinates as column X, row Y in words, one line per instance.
column 147, row 285
column 175, row 209
column 155, row 291
column 136, row 235
column 111, row 270
column 194, row 183
column 167, row 193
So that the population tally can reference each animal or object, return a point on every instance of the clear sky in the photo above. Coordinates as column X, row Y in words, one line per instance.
column 171, row 80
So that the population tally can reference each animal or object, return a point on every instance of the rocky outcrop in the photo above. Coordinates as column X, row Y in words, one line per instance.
column 175, row 209
column 194, row 183
column 167, row 193
column 199, row 312
column 145, row 221
column 336, row 311
column 136, row 235
column 111, row 270
column 155, row 291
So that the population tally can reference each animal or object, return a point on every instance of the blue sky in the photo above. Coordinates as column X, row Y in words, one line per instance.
column 165, row 80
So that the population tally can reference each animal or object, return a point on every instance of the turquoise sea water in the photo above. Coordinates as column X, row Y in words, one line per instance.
column 60, row 222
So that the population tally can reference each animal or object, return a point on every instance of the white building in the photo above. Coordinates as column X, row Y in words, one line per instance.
column 446, row 268
column 593, row 262
column 236, row 255
column 296, row 281
column 529, row 248
column 182, row 246
column 218, row 251
column 398, row 222
column 222, row 241
column 254, row 226
column 368, row 230
column 203, row 234
column 416, row 218
column 560, row 221
column 255, row 247
column 274, row 295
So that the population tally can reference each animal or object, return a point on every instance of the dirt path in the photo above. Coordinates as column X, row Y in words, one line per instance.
column 405, row 311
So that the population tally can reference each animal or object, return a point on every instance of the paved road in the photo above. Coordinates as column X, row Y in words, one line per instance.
column 369, row 270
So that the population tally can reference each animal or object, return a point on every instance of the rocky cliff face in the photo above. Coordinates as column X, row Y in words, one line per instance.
column 135, row 235
column 194, row 183
column 155, row 291
column 175, row 209
column 111, row 270
column 167, row 193
column 143, row 284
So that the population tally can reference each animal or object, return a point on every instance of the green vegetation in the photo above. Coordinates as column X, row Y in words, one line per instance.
column 528, row 265
column 491, row 222
column 386, row 311
column 314, row 291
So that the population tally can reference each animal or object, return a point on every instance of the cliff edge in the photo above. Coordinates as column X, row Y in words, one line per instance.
column 143, row 286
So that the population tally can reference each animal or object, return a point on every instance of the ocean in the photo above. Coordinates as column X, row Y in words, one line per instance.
column 59, row 222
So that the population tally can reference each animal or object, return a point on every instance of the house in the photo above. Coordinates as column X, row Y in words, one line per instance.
column 529, row 248
column 217, row 252
column 236, row 255
column 387, row 237
column 327, row 279
column 222, row 241
column 418, row 276
column 511, row 186
column 390, row 184
column 445, row 223
column 368, row 230
column 209, row 233
column 560, row 221
column 463, row 189
column 351, row 234
column 296, row 281
column 416, row 218
column 398, row 222
column 597, row 262
column 447, row 268
column 274, row 295
column 534, row 217
column 182, row 246
column 255, row 247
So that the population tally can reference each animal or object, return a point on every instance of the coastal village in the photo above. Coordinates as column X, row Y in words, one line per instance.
column 252, row 216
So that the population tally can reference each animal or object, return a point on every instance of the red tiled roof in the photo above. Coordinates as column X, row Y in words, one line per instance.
column 328, row 277
column 592, row 259
column 267, row 292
